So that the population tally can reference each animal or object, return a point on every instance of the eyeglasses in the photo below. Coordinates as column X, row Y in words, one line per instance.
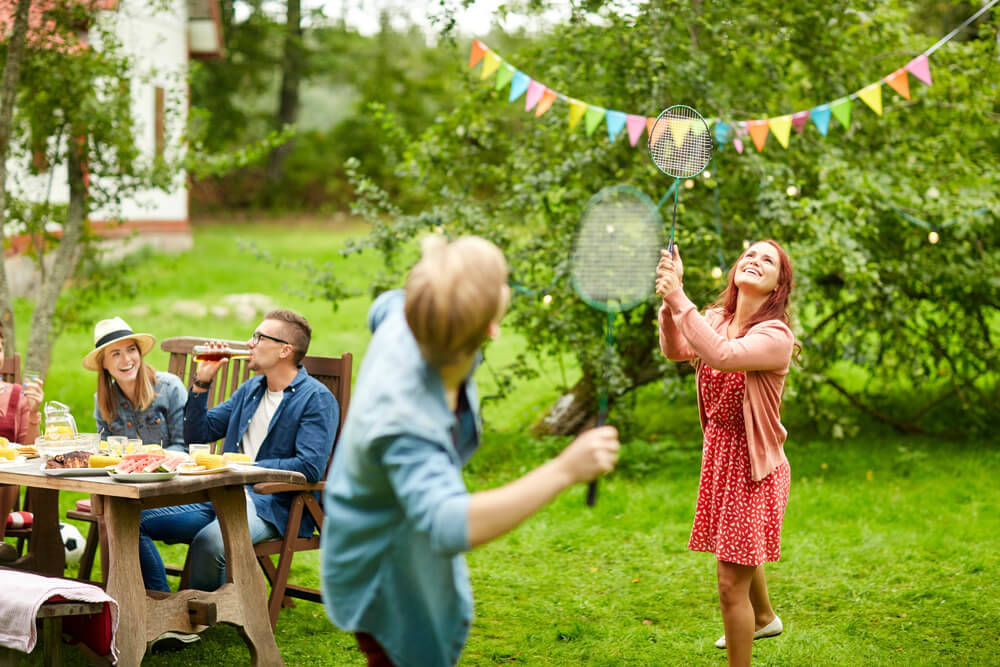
column 255, row 338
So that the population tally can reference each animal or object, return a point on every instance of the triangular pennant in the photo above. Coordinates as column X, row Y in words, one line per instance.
column 477, row 52
column 504, row 75
column 872, row 96
column 548, row 97
column 518, row 85
column 698, row 129
column 576, row 111
column 758, row 132
column 655, row 130
column 593, row 118
column 535, row 91
column 722, row 132
column 821, row 118
column 920, row 68
column 842, row 111
column 635, row 125
column 781, row 127
column 616, row 121
column 491, row 62
column 900, row 82
column 739, row 145
column 799, row 120
column 650, row 122
column 678, row 130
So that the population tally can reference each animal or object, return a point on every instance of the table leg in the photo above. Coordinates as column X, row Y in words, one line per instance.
column 243, row 571
column 46, row 553
column 124, row 580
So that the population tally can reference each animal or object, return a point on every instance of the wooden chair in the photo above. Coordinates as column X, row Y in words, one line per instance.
column 10, row 372
column 335, row 374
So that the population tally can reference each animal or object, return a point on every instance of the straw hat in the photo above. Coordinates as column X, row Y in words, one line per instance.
column 107, row 332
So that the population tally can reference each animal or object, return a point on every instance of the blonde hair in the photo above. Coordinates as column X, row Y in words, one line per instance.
column 453, row 294
column 145, row 390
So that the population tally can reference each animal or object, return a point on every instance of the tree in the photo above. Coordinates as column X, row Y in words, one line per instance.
column 916, row 321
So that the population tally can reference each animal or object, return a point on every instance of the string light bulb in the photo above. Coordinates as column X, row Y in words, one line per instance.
column 610, row 229
column 791, row 191
column 716, row 272
column 688, row 184
column 746, row 244
column 708, row 174
column 547, row 300
column 933, row 237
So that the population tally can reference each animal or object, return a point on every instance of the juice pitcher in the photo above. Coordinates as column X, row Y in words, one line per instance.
column 59, row 423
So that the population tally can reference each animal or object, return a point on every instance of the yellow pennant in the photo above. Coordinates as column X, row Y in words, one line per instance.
column 781, row 127
column 678, row 129
column 576, row 111
column 872, row 96
column 491, row 62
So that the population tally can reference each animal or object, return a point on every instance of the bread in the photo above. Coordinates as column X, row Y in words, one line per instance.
column 75, row 459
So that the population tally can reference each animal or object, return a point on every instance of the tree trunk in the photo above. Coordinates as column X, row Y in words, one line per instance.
column 291, row 77
column 65, row 260
column 11, row 75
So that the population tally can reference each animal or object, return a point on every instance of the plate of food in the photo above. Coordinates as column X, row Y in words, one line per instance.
column 195, row 469
column 145, row 467
column 71, row 464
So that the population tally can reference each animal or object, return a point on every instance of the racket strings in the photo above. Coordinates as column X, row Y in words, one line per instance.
column 680, row 143
column 616, row 251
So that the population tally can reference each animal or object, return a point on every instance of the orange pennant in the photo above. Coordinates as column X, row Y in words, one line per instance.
column 655, row 130
column 548, row 97
column 900, row 82
column 478, row 51
column 758, row 131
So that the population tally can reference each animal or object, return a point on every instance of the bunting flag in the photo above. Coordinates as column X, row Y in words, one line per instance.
column 541, row 98
column 544, row 104
column 616, row 122
column 576, row 111
column 872, row 96
column 781, row 127
column 900, row 82
column 635, row 125
column 758, row 132
column 592, row 119
column 841, row 110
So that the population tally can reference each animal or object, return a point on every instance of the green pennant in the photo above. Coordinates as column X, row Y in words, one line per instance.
column 593, row 118
column 841, row 109
column 504, row 75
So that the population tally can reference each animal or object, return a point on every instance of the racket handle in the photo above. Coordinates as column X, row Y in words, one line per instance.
column 602, row 415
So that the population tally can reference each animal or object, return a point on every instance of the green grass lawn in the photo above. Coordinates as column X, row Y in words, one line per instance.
column 890, row 549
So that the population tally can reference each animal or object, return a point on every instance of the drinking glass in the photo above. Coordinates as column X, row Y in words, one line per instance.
column 198, row 448
column 117, row 443
column 133, row 445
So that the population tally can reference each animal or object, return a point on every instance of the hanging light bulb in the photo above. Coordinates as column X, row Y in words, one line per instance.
column 688, row 184
column 547, row 300
column 716, row 272
column 933, row 237
column 610, row 229
column 791, row 191
column 746, row 244
column 708, row 174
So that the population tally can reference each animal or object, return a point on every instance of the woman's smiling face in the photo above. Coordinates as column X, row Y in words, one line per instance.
column 758, row 269
column 123, row 359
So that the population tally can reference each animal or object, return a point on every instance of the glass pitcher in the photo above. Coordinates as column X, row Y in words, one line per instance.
column 59, row 423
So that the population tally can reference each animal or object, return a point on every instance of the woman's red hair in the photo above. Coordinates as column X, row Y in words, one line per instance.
column 776, row 305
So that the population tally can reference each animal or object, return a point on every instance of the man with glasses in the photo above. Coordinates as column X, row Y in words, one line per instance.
column 282, row 418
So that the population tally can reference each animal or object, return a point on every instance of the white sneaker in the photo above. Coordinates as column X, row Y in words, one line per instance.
column 772, row 629
column 174, row 640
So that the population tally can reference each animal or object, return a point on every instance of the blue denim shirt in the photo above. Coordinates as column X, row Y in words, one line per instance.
column 395, row 533
column 162, row 422
column 299, row 437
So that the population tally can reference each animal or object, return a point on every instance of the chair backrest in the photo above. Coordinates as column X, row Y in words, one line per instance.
column 333, row 372
column 10, row 369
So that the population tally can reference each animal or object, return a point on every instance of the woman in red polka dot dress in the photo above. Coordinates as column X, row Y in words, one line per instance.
column 741, row 349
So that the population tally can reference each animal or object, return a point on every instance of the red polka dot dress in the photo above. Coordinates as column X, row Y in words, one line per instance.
column 737, row 519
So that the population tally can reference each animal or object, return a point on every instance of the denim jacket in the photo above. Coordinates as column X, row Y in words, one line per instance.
column 299, row 437
column 162, row 422
column 395, row 533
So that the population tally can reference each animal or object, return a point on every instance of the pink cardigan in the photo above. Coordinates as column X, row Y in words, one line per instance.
column 765, row 353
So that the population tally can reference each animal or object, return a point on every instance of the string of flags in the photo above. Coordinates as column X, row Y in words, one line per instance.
column 540, row 98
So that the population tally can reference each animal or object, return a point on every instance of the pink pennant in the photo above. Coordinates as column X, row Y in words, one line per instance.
column 799, row 120
column 535, row 92
column 739, row 145
column 920, row 68
column 635, row 125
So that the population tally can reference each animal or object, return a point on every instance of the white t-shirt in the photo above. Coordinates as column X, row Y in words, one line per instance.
column 257, row 430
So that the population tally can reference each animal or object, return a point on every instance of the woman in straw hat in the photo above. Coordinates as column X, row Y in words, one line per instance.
column 19, row 422
column 133, row 399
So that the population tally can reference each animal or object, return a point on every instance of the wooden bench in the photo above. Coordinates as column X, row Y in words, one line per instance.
column 50, row 616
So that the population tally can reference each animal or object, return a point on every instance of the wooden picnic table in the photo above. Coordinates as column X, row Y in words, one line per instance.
column 145, row 615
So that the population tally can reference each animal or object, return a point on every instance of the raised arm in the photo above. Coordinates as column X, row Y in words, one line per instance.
column 766, row 347
column 672, row 343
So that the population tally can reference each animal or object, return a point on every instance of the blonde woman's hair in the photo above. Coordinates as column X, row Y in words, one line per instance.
column 107, row 402
column 453, row 294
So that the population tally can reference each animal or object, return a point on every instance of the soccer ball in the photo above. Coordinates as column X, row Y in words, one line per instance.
column 73, row 541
